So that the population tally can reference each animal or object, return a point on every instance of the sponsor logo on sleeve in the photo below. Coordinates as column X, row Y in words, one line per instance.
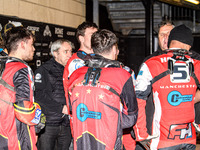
column 140, row 73
column 36, row 119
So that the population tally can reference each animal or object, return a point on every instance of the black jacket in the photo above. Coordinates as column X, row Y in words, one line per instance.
column 49, row 92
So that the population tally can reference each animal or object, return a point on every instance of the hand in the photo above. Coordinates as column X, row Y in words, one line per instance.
column 152, row 137
column 65, row 110
column 146, row 143
column 196, row 127
column 41, row 124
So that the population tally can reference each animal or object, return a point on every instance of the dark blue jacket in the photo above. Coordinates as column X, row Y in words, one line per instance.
column 49, row 92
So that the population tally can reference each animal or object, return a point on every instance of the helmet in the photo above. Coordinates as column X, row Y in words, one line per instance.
column 8, row 27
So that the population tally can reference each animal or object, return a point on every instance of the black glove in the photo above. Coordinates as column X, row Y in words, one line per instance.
column 41, row 124
column 146, row 144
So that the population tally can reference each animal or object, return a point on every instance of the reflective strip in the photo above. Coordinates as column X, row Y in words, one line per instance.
column 6, row 85
column 24, row 110
column 30, row 137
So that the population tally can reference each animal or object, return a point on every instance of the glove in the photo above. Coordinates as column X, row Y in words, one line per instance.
column 41, row 124
column 196, row 127
column 146, row 143
column 152, row 137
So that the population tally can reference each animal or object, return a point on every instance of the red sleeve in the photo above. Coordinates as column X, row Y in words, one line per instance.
column 66, row 74
column 140, row 127
column 65, row 83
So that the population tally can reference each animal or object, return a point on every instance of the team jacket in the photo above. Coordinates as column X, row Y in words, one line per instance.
column 173, row 97
column 149, row 102
column 103, row 103
column 75, row 62
column 49, row 92
column 15, row 135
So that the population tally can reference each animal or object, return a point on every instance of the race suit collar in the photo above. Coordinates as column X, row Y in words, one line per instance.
column 98, row 61
column 81, row 51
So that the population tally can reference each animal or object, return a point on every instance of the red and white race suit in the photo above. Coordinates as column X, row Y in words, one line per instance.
column 173, row 97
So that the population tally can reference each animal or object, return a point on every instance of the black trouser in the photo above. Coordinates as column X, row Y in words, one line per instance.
column 55, row 138
column 177, row 147
column 181, row 147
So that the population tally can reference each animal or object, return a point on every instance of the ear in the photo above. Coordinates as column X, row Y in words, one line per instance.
column 113, row 53
column 115, row 50
column 116, row 56
column 81, row 38
column 55, row 54
column 22, row 44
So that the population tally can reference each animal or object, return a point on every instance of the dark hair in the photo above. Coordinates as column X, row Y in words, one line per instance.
column 102, row 41
column 15, row 35
column 165, row 22
column 82, row 27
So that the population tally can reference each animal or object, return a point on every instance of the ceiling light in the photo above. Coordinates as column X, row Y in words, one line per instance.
column 196, row 2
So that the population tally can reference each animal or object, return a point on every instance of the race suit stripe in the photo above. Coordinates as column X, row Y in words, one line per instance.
column 156, row 121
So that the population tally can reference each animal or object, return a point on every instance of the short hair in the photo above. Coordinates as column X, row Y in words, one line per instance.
column 56, row 45
column 80, row 31
column 102, row 41
column 16, row 35
column 165, row 22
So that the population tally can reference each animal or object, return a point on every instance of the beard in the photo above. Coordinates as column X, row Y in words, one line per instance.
column 29, row 57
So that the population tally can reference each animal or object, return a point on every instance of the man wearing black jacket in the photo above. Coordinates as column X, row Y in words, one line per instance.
column 49, row 92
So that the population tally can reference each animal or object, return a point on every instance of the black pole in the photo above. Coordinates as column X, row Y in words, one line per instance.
column 148, row 4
